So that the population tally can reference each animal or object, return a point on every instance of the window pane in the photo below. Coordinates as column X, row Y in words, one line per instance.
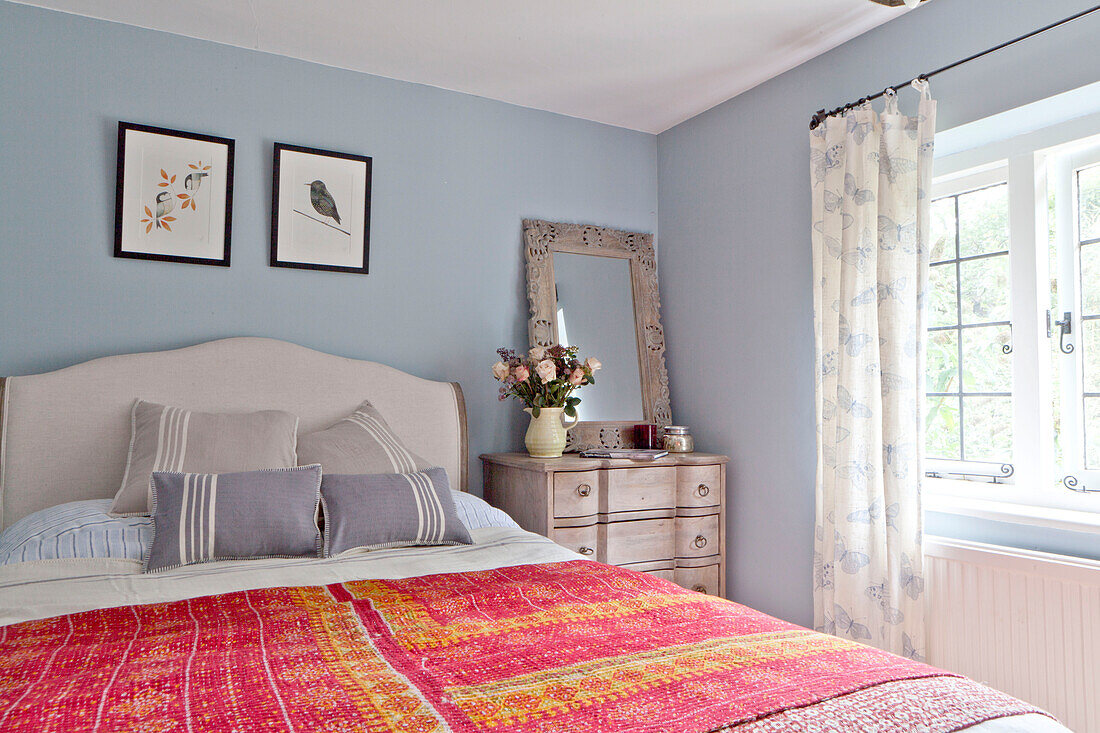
column 1090, row 278
column 985, row 290
column 1090, row 356
column 942, row 428
column 943, row 229
column 942, row 287
column 1092, row 432
column 1088, row 202
column 983, row 221
column 986, row 368
column 943, row 362
column 987, row 427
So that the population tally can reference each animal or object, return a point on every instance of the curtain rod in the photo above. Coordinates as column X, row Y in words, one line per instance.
column 821, row 115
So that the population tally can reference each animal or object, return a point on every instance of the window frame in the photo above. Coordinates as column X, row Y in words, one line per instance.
column 1025, row 158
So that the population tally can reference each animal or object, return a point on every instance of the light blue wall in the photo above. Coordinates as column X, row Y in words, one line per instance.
column 453, row 176
column 735, row 254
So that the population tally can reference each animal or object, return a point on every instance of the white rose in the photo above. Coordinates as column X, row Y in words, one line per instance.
column 537, row 353
column 500, row 371
column 546, row 370
column 593, row 363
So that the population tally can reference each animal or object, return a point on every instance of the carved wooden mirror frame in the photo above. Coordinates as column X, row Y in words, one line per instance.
column 541, row 240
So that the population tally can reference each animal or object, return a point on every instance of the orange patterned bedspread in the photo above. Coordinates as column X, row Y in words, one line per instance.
column 575, row 647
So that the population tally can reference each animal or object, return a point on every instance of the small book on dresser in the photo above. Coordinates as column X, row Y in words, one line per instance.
column 634, row 454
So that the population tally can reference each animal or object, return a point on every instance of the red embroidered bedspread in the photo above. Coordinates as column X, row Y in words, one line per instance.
column 574, row 647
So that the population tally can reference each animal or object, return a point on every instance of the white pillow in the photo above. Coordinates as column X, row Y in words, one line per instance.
column 78, row 529
column 475, row 512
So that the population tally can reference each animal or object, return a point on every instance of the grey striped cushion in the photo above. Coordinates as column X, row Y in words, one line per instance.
column 198, row 517
column 166, row 438
column 389, row 510
column 360, row 443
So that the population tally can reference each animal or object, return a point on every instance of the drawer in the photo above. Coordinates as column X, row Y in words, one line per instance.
column 698, row 486
column 645, row 540
column 576, row 494
column 669, row 575
column 697, row 536
column 582, row 540
column 638, row 489
column 702, row 580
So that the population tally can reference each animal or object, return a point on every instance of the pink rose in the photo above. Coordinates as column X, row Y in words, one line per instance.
column 500, row 371
column 537, row 353
column 520, row 373
column 593, row 363
column 576, row 377
column 547, row 370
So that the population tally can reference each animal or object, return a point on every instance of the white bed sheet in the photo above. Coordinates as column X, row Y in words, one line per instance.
column 45, row 588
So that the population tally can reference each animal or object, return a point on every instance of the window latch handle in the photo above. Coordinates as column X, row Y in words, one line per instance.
column 1065, row 327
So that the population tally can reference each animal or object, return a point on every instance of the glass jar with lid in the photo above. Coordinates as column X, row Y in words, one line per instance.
column 677, row 439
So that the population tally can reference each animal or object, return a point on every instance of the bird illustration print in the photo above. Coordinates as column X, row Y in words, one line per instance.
column 322, row 200
column 194, row 180
column 165, row 204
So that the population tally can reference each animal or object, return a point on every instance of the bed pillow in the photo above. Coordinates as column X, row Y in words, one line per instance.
column 476, row 513
column 361, row 443
column 372, row 511
column 166, row 438
column 75, row 530
column 199, row 517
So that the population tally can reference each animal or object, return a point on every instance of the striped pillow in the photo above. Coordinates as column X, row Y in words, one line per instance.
column 199, row 517
column 389, row 510
column 360, row 443
column 166, row 438
column 75, row 530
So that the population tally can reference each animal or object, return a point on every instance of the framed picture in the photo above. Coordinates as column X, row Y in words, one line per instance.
column 174, row 195
column 320, row 209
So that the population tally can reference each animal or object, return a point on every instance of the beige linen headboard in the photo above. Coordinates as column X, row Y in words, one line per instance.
column 64, row 434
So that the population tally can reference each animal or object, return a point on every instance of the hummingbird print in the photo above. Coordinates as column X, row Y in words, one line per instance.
column 322, row 200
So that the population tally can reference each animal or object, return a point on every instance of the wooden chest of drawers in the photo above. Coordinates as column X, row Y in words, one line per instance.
column 665, row 517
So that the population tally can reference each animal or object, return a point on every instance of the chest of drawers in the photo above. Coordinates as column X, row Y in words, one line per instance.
column 664, row 517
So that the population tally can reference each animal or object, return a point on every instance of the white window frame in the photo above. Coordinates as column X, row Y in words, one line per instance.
column 1033, row 487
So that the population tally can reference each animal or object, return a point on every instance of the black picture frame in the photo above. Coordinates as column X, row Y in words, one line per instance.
column 277, row 169
column 121, row 249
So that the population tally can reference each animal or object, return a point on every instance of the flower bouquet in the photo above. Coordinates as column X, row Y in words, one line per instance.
column 544, row 381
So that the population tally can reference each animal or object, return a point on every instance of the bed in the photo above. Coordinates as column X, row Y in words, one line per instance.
column 510, row 633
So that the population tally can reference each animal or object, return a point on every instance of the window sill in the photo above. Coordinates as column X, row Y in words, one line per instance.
column 1068, row 520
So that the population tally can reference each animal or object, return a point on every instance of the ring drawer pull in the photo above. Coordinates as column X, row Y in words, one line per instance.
column 703, row 489
column 586, row 550
column 700, row 541
column 584, row 489
column 699, row 588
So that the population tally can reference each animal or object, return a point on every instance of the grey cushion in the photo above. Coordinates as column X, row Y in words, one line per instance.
column 199, row 517
column 172, row 439
column 389, row 510
column 360, row 443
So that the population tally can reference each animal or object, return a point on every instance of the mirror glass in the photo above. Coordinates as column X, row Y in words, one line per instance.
column 595, row 311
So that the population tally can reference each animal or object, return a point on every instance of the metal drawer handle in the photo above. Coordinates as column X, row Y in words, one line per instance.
column 699, row 588
column 584, row 489
column 703, row 489
column 700, row 541
column 586, row 550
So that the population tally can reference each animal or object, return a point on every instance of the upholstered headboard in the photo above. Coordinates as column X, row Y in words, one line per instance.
column 64, row 434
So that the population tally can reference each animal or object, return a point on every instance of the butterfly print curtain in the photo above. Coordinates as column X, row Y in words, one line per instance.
column 871, row 176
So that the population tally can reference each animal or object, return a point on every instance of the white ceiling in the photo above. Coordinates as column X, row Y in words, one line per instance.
column 640, row 64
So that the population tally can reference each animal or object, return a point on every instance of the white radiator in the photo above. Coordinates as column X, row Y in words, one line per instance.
column 1026, row 623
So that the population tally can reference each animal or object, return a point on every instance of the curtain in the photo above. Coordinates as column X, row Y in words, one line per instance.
column 871, row 179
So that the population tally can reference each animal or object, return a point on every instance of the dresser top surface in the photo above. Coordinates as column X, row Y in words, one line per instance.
column 573, row 462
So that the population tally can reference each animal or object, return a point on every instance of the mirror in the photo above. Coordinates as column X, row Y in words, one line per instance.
column 597, row 288
column 595, row 311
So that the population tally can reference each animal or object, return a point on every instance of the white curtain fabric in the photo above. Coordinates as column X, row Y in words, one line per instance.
column 871, row 176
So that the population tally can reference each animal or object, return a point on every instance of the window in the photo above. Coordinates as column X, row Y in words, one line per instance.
column 1013, row 315
column 969, row 398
